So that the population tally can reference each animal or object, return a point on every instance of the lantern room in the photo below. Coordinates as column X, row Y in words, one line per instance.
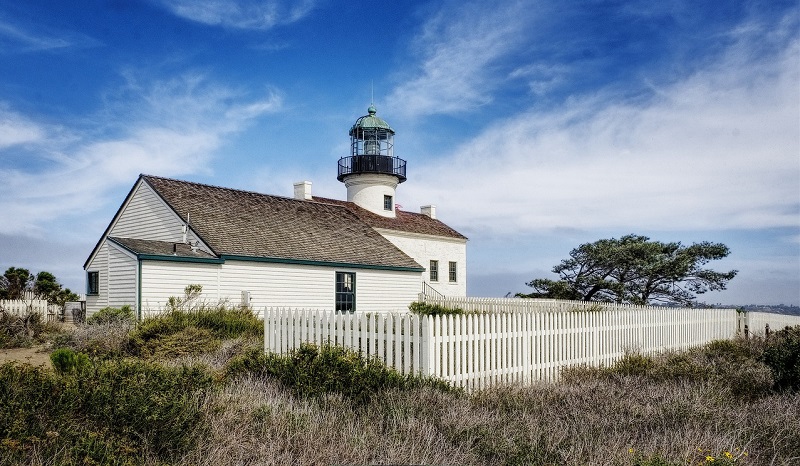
column 372, row 149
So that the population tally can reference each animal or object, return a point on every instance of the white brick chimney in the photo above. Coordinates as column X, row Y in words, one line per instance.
column 302, row 190
column 429, row 210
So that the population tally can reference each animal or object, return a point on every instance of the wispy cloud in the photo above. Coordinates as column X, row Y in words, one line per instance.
column 19, row 38
column 457, row 47
column 241, row 14
column 16, row 129
column 167, row 127
column 716, row 149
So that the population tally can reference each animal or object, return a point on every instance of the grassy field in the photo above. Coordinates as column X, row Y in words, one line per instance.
column 194, row 388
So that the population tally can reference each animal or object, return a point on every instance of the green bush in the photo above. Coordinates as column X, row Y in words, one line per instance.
column 427, row 309
column 722, row 364
column 166, row 332
column 109, row 315
column 633, row 364
column 66, row 360
column 312, row 371
column 109, row 412
column 782, row 355
column 190, row 341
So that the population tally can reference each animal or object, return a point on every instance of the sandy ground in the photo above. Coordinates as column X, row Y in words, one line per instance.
column 36, row 356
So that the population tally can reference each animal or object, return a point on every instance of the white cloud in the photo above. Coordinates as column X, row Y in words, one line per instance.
column 457, row 47
column 34, row 39
column 240, row 14
column 30, row 41
column 171, row 128
column 717, row 150
column 541, row 77
column 16, row 129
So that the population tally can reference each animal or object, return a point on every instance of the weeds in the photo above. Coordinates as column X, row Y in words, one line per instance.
column 109, row 315
column 312, row 372
column 782, row 355
column 23, row 331
column 427, row 309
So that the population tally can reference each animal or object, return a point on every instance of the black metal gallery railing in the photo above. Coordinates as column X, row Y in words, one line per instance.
column 381, row 164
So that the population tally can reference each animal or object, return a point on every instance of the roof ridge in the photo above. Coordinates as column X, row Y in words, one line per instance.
column 223, row 188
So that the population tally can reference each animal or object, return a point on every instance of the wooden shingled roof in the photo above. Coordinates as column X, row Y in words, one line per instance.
column 410, row 222
column 160, row 248
column 247, row 224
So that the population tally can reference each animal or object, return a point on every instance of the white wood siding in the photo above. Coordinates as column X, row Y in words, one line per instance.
column 162, row 279
column 98, row 264
column 425, row 248
column 121, row 274
column 383, row 290
column 147, row 216
column 117, row 280
column 275, row 285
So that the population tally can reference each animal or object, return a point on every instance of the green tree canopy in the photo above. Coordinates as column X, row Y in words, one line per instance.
column 635, row 270
column 16, row 281
column 47, row 287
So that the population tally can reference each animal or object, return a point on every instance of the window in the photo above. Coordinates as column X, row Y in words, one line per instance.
column 434, row 270
column 452, row 272
column 93, row 283
column 345, row 291
column 387, row 202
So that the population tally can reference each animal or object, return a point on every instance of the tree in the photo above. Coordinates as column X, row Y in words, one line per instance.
column 47, row 287
column 15, row 282
column 635, row 270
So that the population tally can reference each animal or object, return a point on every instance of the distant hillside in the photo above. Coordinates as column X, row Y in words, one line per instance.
column 778, row 309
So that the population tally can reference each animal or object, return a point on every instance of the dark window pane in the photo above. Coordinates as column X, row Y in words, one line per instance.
column 434, row 271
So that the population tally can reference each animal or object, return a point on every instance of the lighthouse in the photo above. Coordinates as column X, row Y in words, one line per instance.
column 371, row 172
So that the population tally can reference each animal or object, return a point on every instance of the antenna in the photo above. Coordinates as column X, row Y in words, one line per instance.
column 186, row 228
column 372, row 92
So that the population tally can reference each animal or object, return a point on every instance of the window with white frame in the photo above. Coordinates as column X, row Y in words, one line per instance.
column 434, row 271
column 452, row 268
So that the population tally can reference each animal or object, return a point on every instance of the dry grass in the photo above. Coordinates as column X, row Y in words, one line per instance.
column 597, row 421
column 108, row 339
column 256, row 421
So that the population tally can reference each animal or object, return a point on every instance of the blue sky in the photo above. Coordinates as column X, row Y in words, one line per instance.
column 534, row 126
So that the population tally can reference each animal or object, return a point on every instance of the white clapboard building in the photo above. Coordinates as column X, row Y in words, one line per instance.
column 307, row 252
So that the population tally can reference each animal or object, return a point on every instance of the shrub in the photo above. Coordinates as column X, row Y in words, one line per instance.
column 191, row 296
column 782, row 355
column 189, row 341
column 723, row 365
column 104, row 341
column 109, row 412
column 633, row 364
column 312, row 371
column 427, row 309
column 109, row 315
column 65, row 360
column 208, row 325
column 22, row 331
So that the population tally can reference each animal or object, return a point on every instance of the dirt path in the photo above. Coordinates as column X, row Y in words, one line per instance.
column 36, row 355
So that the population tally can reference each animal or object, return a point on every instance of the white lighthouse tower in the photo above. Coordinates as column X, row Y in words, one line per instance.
column 371, row 172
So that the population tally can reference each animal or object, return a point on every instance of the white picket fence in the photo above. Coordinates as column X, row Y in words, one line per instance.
column 757, row 322
column 480, row 349
column 21, row 307
column 500, row 305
